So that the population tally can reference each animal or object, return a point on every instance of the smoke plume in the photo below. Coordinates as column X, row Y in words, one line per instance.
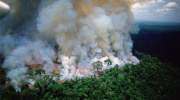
column 70, row 38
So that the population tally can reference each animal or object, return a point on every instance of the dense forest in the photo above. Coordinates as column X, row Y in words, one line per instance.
column 149, row 80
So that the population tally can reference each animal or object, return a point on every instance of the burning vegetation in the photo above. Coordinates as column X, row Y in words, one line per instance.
column 149, row 80
column 78, row 49
column 67, row 39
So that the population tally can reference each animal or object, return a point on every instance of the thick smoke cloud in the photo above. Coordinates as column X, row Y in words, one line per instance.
column 69, row 37
column 96, row 25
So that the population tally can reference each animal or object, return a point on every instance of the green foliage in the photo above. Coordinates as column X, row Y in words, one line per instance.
column 109, row 62
column 149, row 80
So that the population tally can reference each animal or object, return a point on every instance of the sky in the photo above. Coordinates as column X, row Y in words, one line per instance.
column 157, row 11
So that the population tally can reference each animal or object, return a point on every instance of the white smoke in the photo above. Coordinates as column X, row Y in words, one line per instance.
column 86, row 32
column 9, row 43
column 30, row 54
column 100, row 31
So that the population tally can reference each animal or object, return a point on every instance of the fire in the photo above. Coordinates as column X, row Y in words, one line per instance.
column 74, row 38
